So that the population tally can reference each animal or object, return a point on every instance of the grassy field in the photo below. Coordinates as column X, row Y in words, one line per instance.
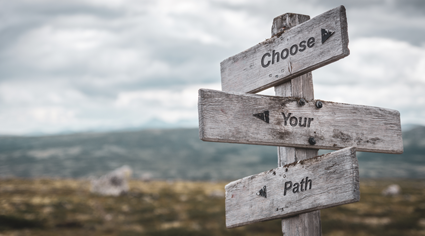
column 66, row 207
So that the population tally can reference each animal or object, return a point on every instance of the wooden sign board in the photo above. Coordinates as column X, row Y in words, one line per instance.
column 303, row 48
column 280, row 121
column 313, row 184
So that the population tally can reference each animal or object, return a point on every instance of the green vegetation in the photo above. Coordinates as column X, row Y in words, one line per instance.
column 165, row 154
column 66, row 207
column 175, row 154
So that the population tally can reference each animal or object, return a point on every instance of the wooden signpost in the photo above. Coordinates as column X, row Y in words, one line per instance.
column 294, row 122
column 303, row 183
column 316, row 183
column 296, row 51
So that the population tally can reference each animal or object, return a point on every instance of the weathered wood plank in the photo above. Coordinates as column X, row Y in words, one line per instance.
column 289, row 154
column 280, row 58
column 316, row 183
column 306, row 224
column 287, row 21
column 277, row 121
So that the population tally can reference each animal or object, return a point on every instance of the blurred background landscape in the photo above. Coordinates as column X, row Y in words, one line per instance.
column 176, row 154
column 88, row 86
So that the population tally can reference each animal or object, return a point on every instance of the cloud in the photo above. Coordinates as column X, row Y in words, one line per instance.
column 379, row 72
column 85, row 64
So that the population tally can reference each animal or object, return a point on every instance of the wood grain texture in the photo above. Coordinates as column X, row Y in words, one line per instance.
column 229, row 117
column 286, row 21
column 244, row 72
column 301, row 86
column 327, row 180
column 309, row 223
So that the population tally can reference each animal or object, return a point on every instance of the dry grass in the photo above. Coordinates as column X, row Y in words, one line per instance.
column 66, row 207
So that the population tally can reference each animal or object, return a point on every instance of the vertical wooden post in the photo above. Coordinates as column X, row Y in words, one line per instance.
column 307, row 224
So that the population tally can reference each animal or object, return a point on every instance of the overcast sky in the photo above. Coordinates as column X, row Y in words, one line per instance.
column 82, row 65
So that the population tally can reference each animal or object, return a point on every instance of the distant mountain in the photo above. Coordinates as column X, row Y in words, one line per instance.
column 407, row 127
column 165, row 154
column 175, row 154
column 410, row 164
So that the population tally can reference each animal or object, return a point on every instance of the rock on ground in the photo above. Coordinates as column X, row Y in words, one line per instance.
column 113, row 183
column 392, row 190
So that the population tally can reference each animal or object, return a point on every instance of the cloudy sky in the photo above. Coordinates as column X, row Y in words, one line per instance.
column 80, row 65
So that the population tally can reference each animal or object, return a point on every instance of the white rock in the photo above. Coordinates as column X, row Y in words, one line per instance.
column 392, row 190
column 114, row 183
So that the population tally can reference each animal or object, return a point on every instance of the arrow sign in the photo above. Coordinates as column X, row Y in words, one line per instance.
column 264, row 116
column 326, row 34
column 313, row 184
column 233, row 118
column 303, row 48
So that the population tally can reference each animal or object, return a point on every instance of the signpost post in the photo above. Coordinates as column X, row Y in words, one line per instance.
column 292, row 120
